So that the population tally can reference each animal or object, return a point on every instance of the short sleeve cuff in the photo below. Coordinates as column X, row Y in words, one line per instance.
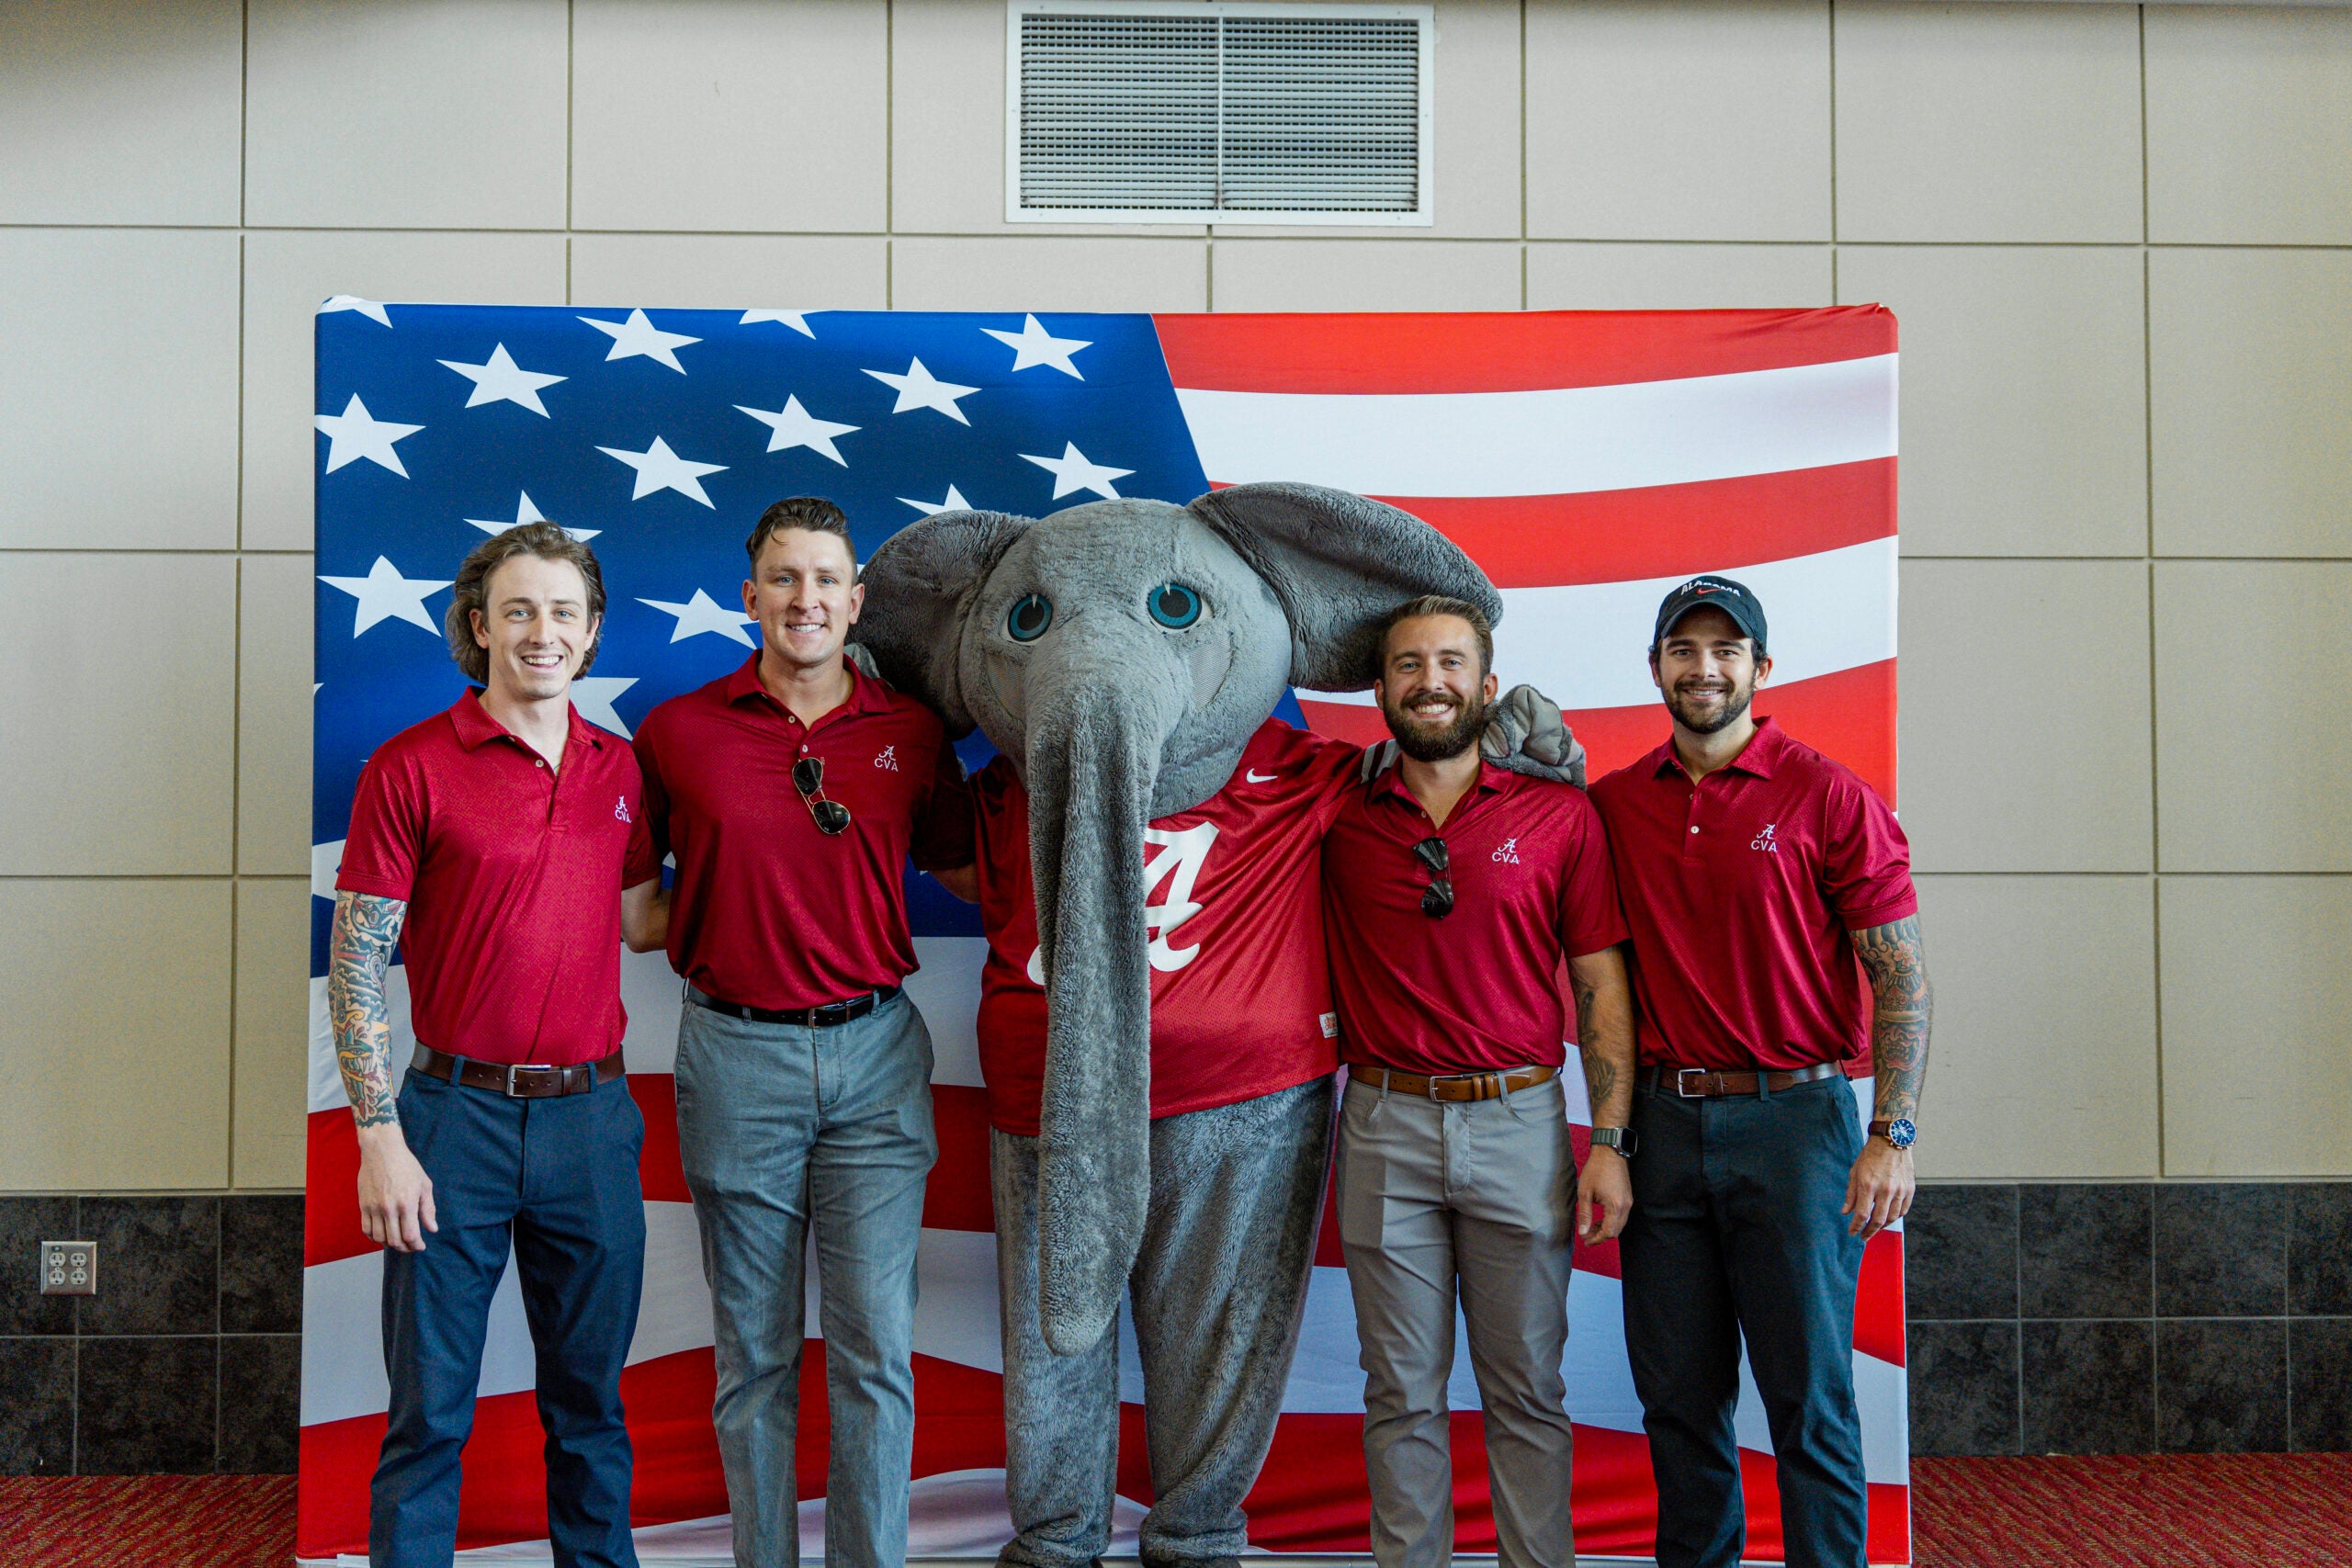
column 373, row 887
column 1901, row 908
column 1598, row 942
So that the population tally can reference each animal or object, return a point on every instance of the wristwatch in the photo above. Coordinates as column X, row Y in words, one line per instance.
column 1621, row 1139
column 1899, row 1132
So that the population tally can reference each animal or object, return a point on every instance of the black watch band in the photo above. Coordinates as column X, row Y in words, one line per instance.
column 1622, row 1139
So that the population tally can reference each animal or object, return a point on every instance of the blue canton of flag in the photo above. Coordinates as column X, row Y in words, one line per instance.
column 660, row 437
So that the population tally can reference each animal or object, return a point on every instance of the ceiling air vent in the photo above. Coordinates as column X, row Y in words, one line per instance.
column 1204, row 112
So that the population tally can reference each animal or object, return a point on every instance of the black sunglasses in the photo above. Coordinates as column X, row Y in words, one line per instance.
column 808, row 778
column 1439, row 900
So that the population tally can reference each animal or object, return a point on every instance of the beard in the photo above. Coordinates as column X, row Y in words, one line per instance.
column 1435, row 740
column 1700, row 714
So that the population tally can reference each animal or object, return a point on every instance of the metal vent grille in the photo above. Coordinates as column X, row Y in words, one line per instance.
column 1223, row 113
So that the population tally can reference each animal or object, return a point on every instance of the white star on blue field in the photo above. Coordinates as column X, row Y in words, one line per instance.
column 662, row 436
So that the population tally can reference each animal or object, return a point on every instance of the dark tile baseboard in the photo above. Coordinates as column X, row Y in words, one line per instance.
column 187, row 1360
column 2131, row 1318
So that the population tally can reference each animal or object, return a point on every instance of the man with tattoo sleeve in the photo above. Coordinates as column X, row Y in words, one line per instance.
column 502, row 844
column 1775, row 954
column 1452, row 894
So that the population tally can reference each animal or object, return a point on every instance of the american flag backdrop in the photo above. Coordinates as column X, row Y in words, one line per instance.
column 1588, row 461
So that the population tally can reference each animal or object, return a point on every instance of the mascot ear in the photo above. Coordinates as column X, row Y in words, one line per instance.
column 1338, row 563
column 919, row 587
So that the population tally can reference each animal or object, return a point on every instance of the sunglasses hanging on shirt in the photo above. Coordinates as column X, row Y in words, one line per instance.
column 1438, row 900
column 831, row 815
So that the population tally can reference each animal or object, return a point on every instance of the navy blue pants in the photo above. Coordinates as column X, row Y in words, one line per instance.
column 555, row 1181
column 1735, row 1232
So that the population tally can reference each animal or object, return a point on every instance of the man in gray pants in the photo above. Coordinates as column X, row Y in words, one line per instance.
column 1453, row 890
column 792, row 792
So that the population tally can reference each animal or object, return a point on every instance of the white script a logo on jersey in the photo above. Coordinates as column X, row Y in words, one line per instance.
column 1765, row 841
column 621, row 807
column 1508, row 854
column 888, row 758
column 1178, row 860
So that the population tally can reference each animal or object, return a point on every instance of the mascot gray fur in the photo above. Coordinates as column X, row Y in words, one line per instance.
column 1112, row 721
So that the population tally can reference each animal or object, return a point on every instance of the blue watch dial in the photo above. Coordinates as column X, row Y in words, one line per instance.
column 1901, row 1133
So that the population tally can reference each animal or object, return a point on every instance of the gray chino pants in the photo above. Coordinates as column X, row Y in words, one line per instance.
column 1477, row 1197
column 783, row 1129
column 1235, row 1194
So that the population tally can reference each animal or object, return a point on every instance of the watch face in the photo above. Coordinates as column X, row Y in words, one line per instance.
column 1902, row 1133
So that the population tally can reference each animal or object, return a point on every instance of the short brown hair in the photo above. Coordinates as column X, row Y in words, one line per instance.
column 470, row 591
column 813, row 513
column 1439, row 605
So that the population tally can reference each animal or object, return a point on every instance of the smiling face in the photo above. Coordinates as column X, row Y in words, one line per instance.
column 1434, row 687
column 535, row 628
column 1133, row 597
column 1708, row 670
column 805, row 594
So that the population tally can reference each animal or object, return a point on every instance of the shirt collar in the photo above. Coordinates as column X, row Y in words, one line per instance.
column 476, row 729
column 864, row 696
column 1492, row 779
column 1757, row 759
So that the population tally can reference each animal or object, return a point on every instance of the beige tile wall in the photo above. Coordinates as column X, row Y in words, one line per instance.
column 2120, row 244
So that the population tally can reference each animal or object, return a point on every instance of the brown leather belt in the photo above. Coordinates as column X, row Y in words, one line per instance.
column 1453, row 1086
column 1707, row 1083
column 518, row 1080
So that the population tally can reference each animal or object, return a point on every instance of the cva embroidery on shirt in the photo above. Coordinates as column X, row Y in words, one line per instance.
column 1508, row 854
column 621, row 807
column 1765, row 841
column 888, row 758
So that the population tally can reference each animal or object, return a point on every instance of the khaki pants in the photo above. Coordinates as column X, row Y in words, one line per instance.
column 1482, row 1193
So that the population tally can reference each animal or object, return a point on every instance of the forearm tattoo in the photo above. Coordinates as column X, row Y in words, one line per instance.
column 359, row 953
column 1898, row 971
column 1600, row 1072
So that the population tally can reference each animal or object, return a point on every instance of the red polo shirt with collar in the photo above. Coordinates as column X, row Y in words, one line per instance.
column 1740, row 891
column 767, row 911
column 513, row 873
column 1474, row 990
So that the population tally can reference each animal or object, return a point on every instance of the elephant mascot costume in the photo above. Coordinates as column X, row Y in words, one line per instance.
column 1156, row 1025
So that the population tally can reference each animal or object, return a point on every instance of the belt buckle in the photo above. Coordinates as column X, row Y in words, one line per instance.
column 511, row 1068
column 1682, row 1073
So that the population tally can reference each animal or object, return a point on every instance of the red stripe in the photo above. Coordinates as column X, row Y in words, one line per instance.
column 1618, row 535
column 957, row 1197
column 1848, row 716
column 659, row 1169
column 1878, row 1300
column 1506, row 351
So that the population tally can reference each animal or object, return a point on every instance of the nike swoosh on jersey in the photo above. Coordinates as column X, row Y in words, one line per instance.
column 1254, row 776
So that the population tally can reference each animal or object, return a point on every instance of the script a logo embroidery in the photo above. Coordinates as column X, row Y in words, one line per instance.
column 1765, row 841
column 621, row 807
column 1181, row 855
column 1508, row 854
column 888, row 758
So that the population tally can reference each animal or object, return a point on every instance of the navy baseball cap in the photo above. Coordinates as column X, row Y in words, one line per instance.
column 1711, row 592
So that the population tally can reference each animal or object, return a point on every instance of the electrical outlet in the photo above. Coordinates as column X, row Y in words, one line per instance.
column 69, row 1269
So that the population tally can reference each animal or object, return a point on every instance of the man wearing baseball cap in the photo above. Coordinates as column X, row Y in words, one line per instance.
column 1754, row 872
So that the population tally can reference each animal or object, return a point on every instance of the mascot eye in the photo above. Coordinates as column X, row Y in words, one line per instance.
column 1173, row 605
column 1030, row 616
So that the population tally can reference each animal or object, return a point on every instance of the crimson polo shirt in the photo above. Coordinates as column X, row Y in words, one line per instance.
column 1477, row 989
column 1240, row 991
column 1741, row 892
column 511, row 871
column 767, row 911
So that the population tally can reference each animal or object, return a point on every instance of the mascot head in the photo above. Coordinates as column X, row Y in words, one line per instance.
column 1121, row 654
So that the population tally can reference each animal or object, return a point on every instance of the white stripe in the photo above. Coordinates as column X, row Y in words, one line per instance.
column 1551, row 443
column 1585, row 646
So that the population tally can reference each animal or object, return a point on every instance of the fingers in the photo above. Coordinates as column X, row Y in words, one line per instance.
column 411, row 1239
column 425, row 1207
column 1585, row 1228
column 1619, row 1213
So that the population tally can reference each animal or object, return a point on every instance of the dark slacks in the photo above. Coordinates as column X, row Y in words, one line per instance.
column 555, row 1180
column 1735, row 1232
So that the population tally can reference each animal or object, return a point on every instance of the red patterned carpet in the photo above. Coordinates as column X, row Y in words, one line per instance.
column 2175, row 1511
